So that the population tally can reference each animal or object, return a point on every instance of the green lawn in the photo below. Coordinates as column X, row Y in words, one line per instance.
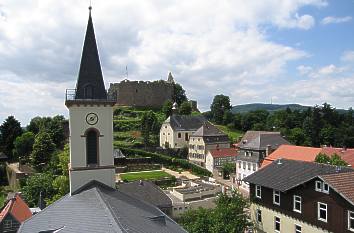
column 232, row 133
column 145, row 175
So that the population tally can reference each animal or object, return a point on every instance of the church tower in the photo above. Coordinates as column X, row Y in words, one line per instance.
column 90, row 121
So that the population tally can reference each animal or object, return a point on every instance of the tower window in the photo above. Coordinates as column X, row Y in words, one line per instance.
column 92, row 147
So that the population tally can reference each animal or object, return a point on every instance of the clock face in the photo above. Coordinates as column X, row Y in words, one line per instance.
column 91, row 118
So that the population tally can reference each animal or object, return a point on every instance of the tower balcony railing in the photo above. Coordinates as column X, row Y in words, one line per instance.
column 70, row 97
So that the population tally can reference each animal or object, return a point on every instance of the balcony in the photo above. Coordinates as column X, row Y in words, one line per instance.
column 70, row 99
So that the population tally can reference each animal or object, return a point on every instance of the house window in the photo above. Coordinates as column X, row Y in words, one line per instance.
column 322, row 211
column 351, row 220
column 244, row 165
column 258, row 191
column 254, row 166
column 321, row 187
column 249, row 166
column 277, row 224
column 276, row 197
column 179, row 135
column 297, row 204
column 259, row 216
column 239, row 164
column 92, row 147
column 186, row 137
column 7, row 223
column 298, row 229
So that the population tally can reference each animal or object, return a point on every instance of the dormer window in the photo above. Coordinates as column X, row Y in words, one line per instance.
column 321, row 187
column 88, row 92
column 351, row 220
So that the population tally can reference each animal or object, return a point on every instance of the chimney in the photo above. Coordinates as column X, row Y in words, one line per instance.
column 268, row 150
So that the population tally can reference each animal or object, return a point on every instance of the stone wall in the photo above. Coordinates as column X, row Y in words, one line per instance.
column 142, row 93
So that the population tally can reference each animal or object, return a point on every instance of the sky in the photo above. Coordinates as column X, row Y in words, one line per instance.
column 284, row 51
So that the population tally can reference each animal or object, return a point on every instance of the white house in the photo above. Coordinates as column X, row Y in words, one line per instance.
column 177, row 129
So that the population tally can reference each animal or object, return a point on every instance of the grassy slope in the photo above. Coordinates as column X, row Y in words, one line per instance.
column 232, row 133
column 150, row 175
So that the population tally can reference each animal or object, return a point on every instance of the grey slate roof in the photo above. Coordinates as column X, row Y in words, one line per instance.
column 259, row 140
column 99, row 208
column 90, row 73
column 287, row 174
column 146, row 191
column 208, row 129
column 185, row 123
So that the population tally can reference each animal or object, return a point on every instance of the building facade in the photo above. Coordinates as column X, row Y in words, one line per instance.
column 215, row 159
column 252, row 149
column 177, row 129
column 207, row 137
column 296, row 196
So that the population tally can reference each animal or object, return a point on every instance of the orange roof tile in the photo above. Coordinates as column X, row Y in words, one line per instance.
column 17, row 208
column 292, row 152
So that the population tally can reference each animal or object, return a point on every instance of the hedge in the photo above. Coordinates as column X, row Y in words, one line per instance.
column 167, row 160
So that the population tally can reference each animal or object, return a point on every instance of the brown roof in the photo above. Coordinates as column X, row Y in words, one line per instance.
column 343, row 183
column 224, row 152
column 17, row 208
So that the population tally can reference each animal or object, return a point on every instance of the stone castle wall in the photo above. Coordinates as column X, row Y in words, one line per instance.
column 142, row 93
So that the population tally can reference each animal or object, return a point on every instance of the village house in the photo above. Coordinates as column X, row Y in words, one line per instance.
column 216, row 158
column 177, row 129
column 94, row 204
column 309, row 154
column 297, row 196
column 252, row 149
column 13, row 214
column 207, row 137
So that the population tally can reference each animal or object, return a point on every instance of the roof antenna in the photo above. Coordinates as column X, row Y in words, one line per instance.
column 90, row 7
column 126, row 71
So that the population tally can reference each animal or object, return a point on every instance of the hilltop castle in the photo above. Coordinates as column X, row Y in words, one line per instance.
column 143, row 93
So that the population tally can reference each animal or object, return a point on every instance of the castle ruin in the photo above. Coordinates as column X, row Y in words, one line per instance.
column 143, row 93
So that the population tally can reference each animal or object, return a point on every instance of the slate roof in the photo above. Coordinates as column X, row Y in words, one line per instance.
column 90, row 73
column 99, row 208
column 342, row 183
column 208, row 129
column 17, row 208
column 185, row 123
column 146, row 191
column 259, row 140
column 287, row 174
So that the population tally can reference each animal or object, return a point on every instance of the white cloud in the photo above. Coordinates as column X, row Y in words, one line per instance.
column 348, row 56
column 321, row 72
column 222, row 47
column 332, row 19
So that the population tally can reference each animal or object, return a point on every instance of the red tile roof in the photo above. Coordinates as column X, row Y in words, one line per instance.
column 223, row 152
column 304, row 153
column 17, row 208
column 343, row 183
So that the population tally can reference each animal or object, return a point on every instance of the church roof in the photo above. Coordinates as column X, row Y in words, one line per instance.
column 100, row 208
column 90, row 77
column 185, row 123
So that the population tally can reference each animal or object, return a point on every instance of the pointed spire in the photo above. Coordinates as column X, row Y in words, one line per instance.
column 170, row 78
column 90, row 83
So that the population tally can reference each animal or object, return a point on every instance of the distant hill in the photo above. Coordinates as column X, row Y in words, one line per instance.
column 242, row 108
column 268, row 107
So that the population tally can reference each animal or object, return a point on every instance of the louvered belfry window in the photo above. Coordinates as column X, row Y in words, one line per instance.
column 92, row 147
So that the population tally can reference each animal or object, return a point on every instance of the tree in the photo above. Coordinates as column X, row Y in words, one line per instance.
column 23, row 147
column 149, row 125
column 333, row 160
column 36, row 184
column 9, row 131
column 179, row 94
column 43, row 148
column 228, row 217
column 227, row 169
column 185, row 109
column 167, row 108
column 34, row 125
column 220, row 105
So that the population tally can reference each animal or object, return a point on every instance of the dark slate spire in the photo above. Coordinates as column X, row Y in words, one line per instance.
column 90, row 83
